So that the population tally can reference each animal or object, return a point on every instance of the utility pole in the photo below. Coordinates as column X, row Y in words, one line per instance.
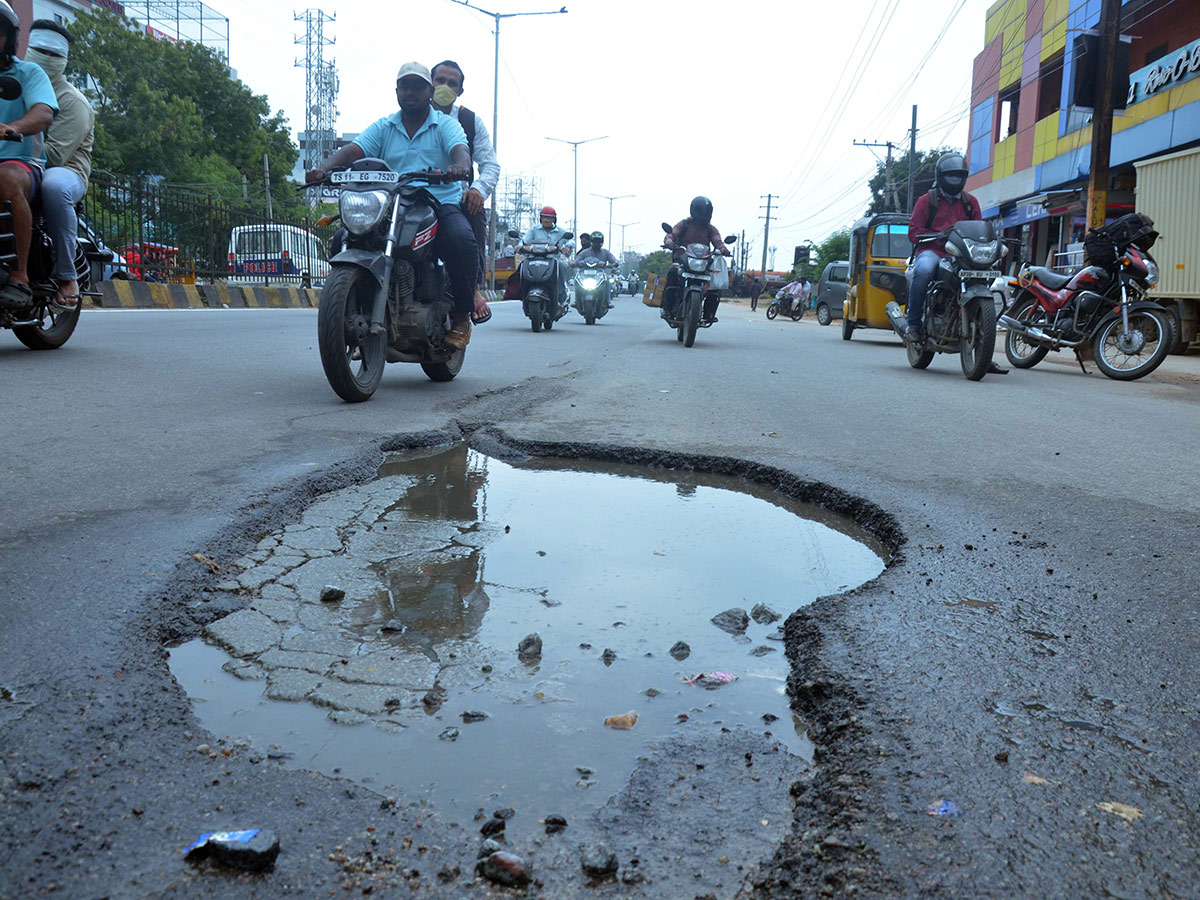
column 889, row 186
column 610, row 203
column 912, row 156
column 623, row 226
column 575, row 195
column 1102, row 111
column 766, row 237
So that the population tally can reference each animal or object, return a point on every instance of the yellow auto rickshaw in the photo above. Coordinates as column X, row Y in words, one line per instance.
column 879, row 252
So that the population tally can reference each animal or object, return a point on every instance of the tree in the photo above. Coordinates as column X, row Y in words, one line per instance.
column 833, row 248
column 884, row 200
column 172, row 112
column 656, row 263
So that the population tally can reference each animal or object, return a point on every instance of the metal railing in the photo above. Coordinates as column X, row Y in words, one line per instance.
column 173, row 235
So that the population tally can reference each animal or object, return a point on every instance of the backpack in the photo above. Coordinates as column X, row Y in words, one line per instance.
column 466, row 119
column 934, row 195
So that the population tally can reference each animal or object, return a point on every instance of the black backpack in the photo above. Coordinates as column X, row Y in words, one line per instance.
column 934, row 199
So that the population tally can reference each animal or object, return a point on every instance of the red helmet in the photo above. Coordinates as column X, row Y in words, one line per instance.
column 549, row 211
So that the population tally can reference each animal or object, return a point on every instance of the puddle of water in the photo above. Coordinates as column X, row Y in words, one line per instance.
column 451, row 559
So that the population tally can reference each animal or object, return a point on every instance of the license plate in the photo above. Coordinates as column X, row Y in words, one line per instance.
column 367, row 177
column 978, row 275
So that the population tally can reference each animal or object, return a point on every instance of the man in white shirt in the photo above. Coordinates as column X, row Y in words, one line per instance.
column 447, row 88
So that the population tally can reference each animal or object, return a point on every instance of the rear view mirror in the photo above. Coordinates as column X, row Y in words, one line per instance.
column 568, row 236
column 731, row 239
column 666, row 227
column 514, row 235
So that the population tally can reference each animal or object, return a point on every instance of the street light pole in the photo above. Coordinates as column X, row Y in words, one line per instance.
column 610, row 203
column 623, row 226
column 496, row 116
column 575, row 198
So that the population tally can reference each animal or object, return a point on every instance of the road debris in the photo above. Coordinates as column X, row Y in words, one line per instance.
column 942, row 808
column 530, row 646
column 711, row 680
column 733, row 621
column 253, row 849
column 622, row 722
column 1129, row 813
column 212, row 566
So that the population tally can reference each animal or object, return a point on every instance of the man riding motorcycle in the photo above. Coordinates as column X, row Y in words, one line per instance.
column 417, row 137
column 595, row 250
column 697, row 228
column 548, row 232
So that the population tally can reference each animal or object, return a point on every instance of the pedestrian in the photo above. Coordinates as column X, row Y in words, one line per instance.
column 756, row 289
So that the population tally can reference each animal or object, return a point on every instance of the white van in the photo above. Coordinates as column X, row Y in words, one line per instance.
column 272, row 253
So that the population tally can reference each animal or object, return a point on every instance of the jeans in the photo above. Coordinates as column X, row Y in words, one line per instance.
column 62, row 190
column 455, row 246
column 480, row 225
column 924, row 268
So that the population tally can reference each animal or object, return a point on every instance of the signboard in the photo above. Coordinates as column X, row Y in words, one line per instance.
column 1170, row 71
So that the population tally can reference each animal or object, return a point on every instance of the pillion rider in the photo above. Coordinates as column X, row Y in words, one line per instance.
column 416, row 137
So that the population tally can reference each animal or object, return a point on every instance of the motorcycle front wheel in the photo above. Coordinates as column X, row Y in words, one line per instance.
column 691, row 317
column 1138, row 352
column 772, row 310
column 1022, row 352
column 978, row 342
column 343, row 327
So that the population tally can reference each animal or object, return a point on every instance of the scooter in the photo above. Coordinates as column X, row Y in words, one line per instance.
column 540, row 286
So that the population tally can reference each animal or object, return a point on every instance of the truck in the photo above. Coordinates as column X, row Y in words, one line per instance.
column 1167, row 188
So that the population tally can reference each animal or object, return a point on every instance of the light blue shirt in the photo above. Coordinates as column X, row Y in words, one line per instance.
column 35, row 88
column 429, row 148
column 539, row 235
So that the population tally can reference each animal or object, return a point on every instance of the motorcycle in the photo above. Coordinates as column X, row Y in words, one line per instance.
column 1103, row 304
column 960, row 308
column 592, row 289
column 45, row 325
column 700, row 277
column 387, row 297
column 783, row 305
column 540, row 284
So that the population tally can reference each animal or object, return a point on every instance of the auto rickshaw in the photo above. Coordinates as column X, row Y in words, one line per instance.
column 879, row 252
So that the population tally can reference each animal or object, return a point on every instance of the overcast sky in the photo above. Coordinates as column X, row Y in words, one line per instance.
column 733, row 100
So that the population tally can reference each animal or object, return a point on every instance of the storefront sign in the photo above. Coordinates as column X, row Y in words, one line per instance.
column 1176, row 68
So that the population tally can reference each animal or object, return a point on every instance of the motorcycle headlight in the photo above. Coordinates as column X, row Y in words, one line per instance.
column 362, row 210
column 1151, row 273
column 983, row 252
column 590, row 282
column 697, row 265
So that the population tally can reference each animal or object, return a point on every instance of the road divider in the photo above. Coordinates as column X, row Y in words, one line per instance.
column 121, row 294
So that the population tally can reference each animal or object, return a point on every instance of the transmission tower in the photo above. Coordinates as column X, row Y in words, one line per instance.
column 320, row 120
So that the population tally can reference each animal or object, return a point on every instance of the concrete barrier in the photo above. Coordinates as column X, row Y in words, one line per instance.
column 122, row 294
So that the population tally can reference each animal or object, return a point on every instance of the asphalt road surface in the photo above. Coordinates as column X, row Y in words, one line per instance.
column 1028, row 658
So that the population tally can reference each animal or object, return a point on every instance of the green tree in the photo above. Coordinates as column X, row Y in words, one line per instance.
column 834, row 247
column 885, row 200
column 656, row 263
column 173, row 113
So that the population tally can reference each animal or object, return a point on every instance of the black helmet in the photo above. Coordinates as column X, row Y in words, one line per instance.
column 950, row 174
column 701, row 210
column 597, row 239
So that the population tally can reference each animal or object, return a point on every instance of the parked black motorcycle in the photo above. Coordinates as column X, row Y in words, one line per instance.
column 592, row 289
column 387, row 297
column 543, row 298
column 695, row 284
column 960, row 310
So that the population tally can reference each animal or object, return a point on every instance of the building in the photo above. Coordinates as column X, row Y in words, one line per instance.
column 1029, row 151
column 169, row 20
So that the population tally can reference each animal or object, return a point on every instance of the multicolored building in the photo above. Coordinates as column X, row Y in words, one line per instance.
column 1029, row 152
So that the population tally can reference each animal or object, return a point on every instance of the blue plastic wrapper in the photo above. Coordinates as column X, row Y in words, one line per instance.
column 253, row 849
column 943, row 808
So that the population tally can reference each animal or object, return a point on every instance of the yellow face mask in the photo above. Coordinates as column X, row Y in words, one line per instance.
column 444, row 95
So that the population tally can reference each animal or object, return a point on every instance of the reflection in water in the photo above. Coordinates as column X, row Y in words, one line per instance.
column 451, row 558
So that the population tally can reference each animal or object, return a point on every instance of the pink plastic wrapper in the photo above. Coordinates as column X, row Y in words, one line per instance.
column 710, row 680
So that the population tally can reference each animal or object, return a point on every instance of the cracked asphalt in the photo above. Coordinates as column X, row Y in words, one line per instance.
column 1028, row 656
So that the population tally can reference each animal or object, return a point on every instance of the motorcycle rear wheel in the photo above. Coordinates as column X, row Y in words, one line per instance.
column 772, row 310
column 691, row 317
column 978, row 342
column 343, row 324
column 447, row 369
column 53, row 335
column 535, row 321
column 1023, row 353
column 1157, row 333
column 918, row 359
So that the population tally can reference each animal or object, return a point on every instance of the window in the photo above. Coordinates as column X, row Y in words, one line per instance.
column 1010, row 101
column 1050, row 86
column 891, row 241
column 839, row 274
column 981, row 134
column 1153, row 56
column 258, row 242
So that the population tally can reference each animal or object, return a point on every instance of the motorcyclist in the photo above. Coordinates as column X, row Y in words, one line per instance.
column 68, row 154
column 548, row 232
column 419, row 137
column 697, row 228
column 596, row 251
column 933, row 213
column 26, row 116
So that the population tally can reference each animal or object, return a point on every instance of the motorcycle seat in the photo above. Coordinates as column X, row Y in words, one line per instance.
column 1049, row 278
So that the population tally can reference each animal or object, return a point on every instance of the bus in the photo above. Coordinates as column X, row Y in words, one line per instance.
column 272, row 253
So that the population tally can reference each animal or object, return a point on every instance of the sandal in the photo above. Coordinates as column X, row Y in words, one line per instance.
column 65, row 302
column 15, row 295
column 459, row 336
column 478, row 318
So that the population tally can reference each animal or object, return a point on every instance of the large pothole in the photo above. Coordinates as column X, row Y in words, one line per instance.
column 413, row 683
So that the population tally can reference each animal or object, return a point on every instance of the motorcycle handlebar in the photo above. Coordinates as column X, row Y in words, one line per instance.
column 12, row 136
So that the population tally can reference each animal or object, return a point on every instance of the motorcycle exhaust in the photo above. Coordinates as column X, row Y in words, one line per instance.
column 897, row 318
column 1036, row 334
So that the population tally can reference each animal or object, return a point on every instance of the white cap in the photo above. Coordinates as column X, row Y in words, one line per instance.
column 409, row 68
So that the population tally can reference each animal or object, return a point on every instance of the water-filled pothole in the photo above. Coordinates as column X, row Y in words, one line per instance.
column 449, row 560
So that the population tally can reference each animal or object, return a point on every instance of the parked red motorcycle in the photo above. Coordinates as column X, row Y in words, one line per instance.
column 1103, row 304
